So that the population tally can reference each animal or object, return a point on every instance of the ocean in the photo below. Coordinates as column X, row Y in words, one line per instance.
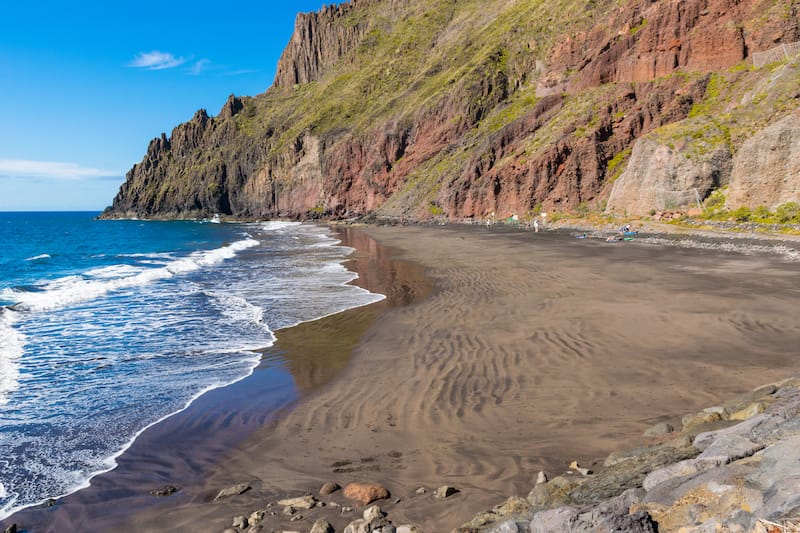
column 107, row 327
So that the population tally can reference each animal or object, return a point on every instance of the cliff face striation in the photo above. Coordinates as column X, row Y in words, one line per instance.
column 458, row 109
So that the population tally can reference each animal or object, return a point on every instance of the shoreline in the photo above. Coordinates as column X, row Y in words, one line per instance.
column 390, row 331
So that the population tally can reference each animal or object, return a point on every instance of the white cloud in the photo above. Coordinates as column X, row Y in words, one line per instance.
column 156, row 60
column 51, row 169
column 199, row 66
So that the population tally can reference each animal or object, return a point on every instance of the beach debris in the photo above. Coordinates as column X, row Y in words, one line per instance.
column 235, row 490
column 397, row 500
column 576, row 467
column 444, row 491
column 301, row 502
column 321, row 526
column 365, row 493
column 240, row 522
column 329, row 488
column 166, row 490
column 541, row 478
column 373, row 513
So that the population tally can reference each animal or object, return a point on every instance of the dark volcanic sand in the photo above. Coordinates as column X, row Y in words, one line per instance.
column 534, row 350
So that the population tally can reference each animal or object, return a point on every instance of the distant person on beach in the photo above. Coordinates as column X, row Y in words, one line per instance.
column 536, row 225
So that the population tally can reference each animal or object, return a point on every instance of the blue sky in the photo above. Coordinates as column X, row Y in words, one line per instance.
column 85, row 85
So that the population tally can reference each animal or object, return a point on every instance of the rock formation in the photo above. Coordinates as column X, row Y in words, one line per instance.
column 460, row 109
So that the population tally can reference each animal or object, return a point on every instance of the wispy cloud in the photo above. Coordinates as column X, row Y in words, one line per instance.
column 199, row 66
column 52, row 170
column 156, row 60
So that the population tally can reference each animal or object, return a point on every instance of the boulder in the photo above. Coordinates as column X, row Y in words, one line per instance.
column 240, row 522
column 365, row 493
column 560, row 519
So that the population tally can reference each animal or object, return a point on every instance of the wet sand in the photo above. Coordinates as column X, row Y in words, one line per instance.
column 528, row 351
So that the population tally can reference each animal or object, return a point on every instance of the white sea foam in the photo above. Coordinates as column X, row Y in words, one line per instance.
column 69, row 290
column 12, row 344
column 277, row 225
column 38, row 257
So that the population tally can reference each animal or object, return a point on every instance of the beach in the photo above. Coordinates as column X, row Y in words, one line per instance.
column 497, row 354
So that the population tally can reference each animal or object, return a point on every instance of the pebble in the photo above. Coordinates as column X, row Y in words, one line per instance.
column 541, row 478
column 235, row 490
column 321, row 526
column 329, row 488
column 240, row 522
column 444, row 491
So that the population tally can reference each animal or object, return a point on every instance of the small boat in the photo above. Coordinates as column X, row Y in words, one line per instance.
column 629, row 233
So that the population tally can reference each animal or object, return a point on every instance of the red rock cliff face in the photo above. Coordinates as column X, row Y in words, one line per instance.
column 596, row 92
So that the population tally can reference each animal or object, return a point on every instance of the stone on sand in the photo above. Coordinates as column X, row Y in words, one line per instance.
column 329, row 488
column 240, row 522
column 365, row 493
column 301, row 502
column 321, row 526
column 372, row 513
column 444, row 491
column 235, row 490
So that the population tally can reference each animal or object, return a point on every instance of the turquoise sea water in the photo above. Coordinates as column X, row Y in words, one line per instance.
column 107, row 327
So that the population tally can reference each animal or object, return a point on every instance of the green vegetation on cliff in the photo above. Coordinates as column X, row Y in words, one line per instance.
column 458, row 108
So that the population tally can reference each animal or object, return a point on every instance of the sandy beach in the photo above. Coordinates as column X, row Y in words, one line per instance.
column 498, row 353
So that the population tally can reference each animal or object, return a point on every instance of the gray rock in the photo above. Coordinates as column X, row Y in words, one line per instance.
column 726, row 448
column 767, row 165
column 659, row 429
column 346, row 509
column 321, row 526
column 778, row 477
column 560, row 519
column 655, row 167
column 627, row 474
column 681, row 469
column 240, row 522
column 541, row 478
column 421, row 490
column 743, row 429
column 235, row 490
column 510, row 526
column 289, row 511
column 358, row 526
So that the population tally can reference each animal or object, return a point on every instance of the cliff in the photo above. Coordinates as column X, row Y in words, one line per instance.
column 457, row 109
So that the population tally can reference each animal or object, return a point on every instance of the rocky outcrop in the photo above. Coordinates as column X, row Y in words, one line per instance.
column 662, row 178
column 730, row 472
column 766, row 170
column 411, row 110
column 319, row 40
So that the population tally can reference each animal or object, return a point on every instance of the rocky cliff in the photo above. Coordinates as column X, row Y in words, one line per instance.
column 457, row 109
